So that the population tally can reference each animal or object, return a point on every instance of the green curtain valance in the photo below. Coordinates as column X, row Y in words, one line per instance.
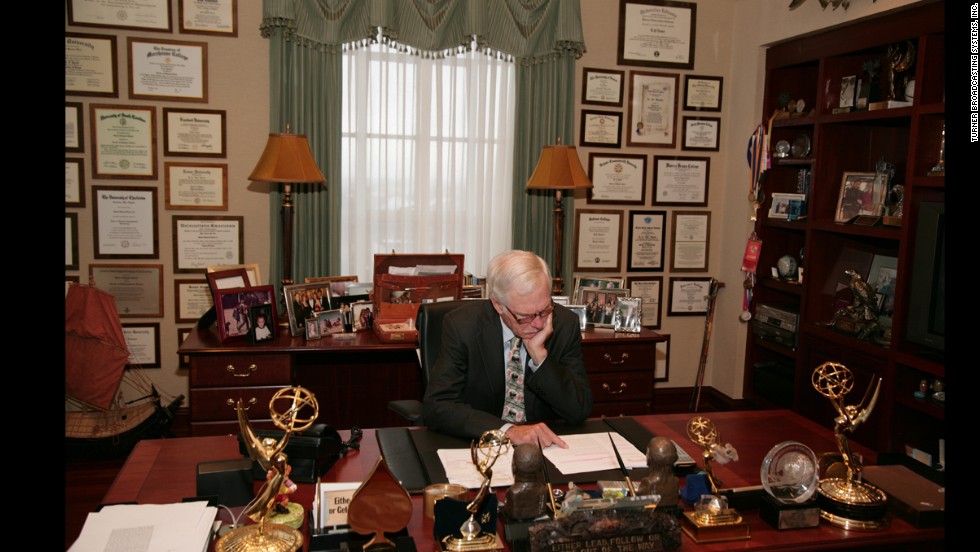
column 528, row 30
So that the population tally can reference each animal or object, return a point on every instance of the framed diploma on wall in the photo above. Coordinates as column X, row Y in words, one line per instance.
column 688, row 296
column 196, row 186
column 650, row 290
column 73, row 128
column 598, row 239
column 90, row 65
column 143, row 342
column 653, row 110
column 138, row 289
column 200, row 242
column 680, row 181
column 646, row 241
column 689, row 248
column 657, row 33
column 208, row 17
column 192, row 298
column 125, row 222
column 601, row 129
column 71, row 241
column 194, row 132
column 700, row 133
column 173, row 70
column 603, row 87
column 145, row 15
column 619, row 179
column 74, row 182
column 124, row 139
column 702, row 93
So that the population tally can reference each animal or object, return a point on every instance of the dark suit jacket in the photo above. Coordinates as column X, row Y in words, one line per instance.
column 465, row 393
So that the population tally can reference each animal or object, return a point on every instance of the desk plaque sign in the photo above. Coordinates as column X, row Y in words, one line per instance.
column 608, row 530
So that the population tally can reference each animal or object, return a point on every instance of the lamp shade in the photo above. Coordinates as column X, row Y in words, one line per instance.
column 558, row 169
column 287, row 158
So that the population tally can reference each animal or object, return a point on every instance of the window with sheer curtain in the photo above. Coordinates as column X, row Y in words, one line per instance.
column 427, row 156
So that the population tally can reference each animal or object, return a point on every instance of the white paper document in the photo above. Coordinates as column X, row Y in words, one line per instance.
column 460, row 470
column 589, row 452
column 177, row 527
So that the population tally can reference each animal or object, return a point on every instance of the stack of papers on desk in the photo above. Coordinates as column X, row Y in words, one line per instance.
column 148, row 527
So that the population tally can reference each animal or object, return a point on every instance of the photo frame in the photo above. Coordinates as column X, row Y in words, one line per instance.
column 601, row 282
column 71, row 241
column 861, row 194
column 90, row 65
column 848, row 86
column 338, row 284
column 362, row 313
column 883, row 276
column 603, row 87
column 303, row 301
column 203, row 241
column 601, row 129
column 330, row 322
column 146, row 15
column 688, row 296
column 700, row 133
column 673, row 24
column 124, row 140
column 702, row 93
column 168, row 70
column 234, row 306
column 626, row 316
column 661, row 367
column 680, row 180
column 645, row 250
column 125, row 222
column 600, row 305
column 74, row 182
column 201, row 186
column 617, row 179
column 311, row 328
column 194, row 132
column 252, row 269
column 691, row 240
column 143, row 342
column 214, row 17
column 137, row 288
column 652, row 110
column 579, row 311
column 264, row 323
column 74, row 131
column 227, row 279
column 560, row 300
column 598, row 239
column 192, row 299
column 780, row 208
column 650, row 289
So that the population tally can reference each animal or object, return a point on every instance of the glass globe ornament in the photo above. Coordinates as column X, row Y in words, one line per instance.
column 789, row 473
column 787, row 267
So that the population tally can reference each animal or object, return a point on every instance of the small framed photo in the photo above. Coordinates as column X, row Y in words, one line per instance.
column 304, row 301
column 600, row 305
column 227, row 279
column 560, row 300
column 861, row 193
column 883, row 276
column 264, row 325
column 701, row 133
column 252, row 269
column 579, row 311
column 601, row 129
column 650, row 290
column 688, row 296
column 780, row 208
column 330, row 322
column 363, row 315
column 848, row 85
column 626, row 317
column 311, row 328
column 234, row 309
column 582, row 282
column 602, row 87
column 702, row 93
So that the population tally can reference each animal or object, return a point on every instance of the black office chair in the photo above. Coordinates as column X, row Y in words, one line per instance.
column 428, row 322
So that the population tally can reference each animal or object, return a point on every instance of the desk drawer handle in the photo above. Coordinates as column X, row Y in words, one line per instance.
column 231, row 402
column 622, row 387
column 621, row 360
column 231, row 368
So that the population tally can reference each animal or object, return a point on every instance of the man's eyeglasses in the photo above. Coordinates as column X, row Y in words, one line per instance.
column 528, row 318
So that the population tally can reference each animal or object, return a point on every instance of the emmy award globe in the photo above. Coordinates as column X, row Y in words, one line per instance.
column 789, row 477
column 484, row 454
column 712, row 519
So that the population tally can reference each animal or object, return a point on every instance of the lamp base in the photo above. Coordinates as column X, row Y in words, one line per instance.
column 283, row 312
column 557, row 287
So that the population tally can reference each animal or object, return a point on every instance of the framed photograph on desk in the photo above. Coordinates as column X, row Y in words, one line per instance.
column 234, row 310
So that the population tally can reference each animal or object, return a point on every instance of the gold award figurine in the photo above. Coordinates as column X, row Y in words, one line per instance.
column 847, row 501
column 484, row 454
column 292, row 409
column 712, row 520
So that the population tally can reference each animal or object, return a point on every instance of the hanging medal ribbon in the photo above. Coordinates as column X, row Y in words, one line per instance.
column 750, row 263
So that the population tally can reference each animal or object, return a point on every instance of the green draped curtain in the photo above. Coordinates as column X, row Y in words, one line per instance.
column 307, row 39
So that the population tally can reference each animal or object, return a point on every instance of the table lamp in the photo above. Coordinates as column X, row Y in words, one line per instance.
column 558, row 169
column 288, row 160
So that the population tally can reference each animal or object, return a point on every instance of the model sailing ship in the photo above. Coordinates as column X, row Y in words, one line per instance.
column 98, row 423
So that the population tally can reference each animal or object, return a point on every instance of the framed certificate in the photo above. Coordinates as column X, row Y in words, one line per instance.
column 598, row 240
column 653, row 110
column 74, row 182
column 90, row 65
column 192, row 298
column 144, row 15
column 124, row 139
column 71, row 241
column 143, row 342
column 650, row 290
column 168, row 70
column 196, row 186
column 603, row 87
column 209, row 17
column 688, row 296
column 194, row 132
column 657, row 33
column 700, row 133
column 702, row 93
column 73, row 128
column 689, row 248
column 680, row 181
column 617, row 178
column 138, row 289
column 646, row 241
column 125, row 222
column 601, row 129
column 203, row 241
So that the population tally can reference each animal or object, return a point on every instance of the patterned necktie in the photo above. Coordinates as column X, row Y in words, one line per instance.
column 514, row 400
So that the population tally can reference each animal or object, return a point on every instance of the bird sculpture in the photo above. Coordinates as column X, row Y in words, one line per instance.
column 864, row 304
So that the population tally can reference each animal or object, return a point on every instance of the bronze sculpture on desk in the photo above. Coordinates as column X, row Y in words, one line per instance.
column 847, row 501
column 271, row 456
column 484, row 454
column 528, row 498
column 660, row 478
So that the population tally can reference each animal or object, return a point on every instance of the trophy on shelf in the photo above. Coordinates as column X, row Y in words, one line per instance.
column 292, row 409
column 940, row 167
column 845, row 500
column 712, row 519
column 789, row 476
column 484, row 454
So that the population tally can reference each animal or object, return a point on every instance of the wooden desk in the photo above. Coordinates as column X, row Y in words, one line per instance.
column 163, row 471
column 355, row 379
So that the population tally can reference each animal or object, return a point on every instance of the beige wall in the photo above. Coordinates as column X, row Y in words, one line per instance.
column 731, row 37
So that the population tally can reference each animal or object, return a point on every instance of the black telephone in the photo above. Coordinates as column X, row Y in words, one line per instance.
column 311, row 453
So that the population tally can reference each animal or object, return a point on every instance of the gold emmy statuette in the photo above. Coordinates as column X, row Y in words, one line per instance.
column 712, row 520
column 484, row 454
column 845, row 500
column 292, row 409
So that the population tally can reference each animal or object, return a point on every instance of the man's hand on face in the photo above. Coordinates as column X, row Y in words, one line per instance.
column 535, row 346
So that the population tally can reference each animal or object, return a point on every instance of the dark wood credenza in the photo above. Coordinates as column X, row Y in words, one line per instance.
column 354, row 379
